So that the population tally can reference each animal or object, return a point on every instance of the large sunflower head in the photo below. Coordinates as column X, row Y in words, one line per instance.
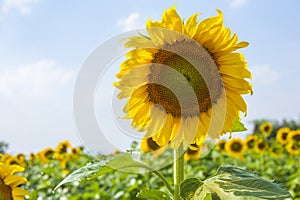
column 9, row 183
column 266, row 128
column 184, row 80
column 235, row 147
column 282, row 135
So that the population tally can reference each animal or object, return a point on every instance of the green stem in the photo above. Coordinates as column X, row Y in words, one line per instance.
column 164, row 180
column 160, row 175
column 178, row 170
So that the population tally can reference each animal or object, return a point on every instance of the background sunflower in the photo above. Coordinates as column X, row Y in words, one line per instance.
column 235, row 147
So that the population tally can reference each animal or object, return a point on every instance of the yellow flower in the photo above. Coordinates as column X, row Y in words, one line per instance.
column 250, row 141
column 184, row 102
column 149, row 145
column 9, row 183
column 282, row 135
column 261, row 145
column 221, row 145
column 193, row 152
column 293, row 148
column 266, row 128
column 32, row 156
column 46, row 155
column 235, row 147
column 76, row 151
column 294, row 136
column 63, row 146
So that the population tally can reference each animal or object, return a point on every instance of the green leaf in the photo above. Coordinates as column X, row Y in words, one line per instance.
column 238, row 126
column 153, row 194
column 95, row 169
column 188, row 188
column 232, row 182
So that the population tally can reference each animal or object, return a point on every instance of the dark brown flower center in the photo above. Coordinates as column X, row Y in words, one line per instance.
column 267, row 128
column 5, row 191
column 251, row 143
column 296, row 138
column 236, row 147
column 152, row 144
column 261, row 145
column 284, row 135
column 182, row 88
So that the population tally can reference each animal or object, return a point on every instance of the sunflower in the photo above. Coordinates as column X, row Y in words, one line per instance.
column 266, row 128
column 293, row 148
column 149, row 145
column 46, row 155
column 9, row 182
column 294, row 136
column 193, row 152
column 235, row 147
column 250, row 141
column 221, row 145
column 32, row 157
column 282, row 135
column 261, row 145
column 184, row 80
column 63, row 147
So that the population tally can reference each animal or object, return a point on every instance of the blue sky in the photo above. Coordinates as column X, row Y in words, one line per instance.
column 43, row 44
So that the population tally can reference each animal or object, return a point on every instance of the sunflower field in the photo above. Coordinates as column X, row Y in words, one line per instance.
column 273, row 151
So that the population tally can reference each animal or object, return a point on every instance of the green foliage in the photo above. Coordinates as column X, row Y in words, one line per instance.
column 3, row 147
column 107, row 165
column 153, row 194
column 238, row 126
column 188, row 188
column 111, row 176
column 236, row 183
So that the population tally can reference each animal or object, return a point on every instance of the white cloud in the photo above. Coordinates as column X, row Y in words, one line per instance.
column 237, row 3
column 264, row 74
column 130, row 23
column 22, row 6
column 38, row 80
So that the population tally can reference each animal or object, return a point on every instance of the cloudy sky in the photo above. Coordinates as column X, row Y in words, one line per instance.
column 43, row 44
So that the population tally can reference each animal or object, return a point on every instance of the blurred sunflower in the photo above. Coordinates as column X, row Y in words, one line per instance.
column 46, row 155
column 261, row 145
column 294, row 136
column 235, row 147
column 9, row 183
column 193, row 152
column 293, row 145
column 221, row 145
column 32, row 157
column 250, row 141
column 282, row 135
column 149, row 145
column 266, row 128
column 160, row 98
column 293, row 148
column 63, row 147
column 75, row 152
